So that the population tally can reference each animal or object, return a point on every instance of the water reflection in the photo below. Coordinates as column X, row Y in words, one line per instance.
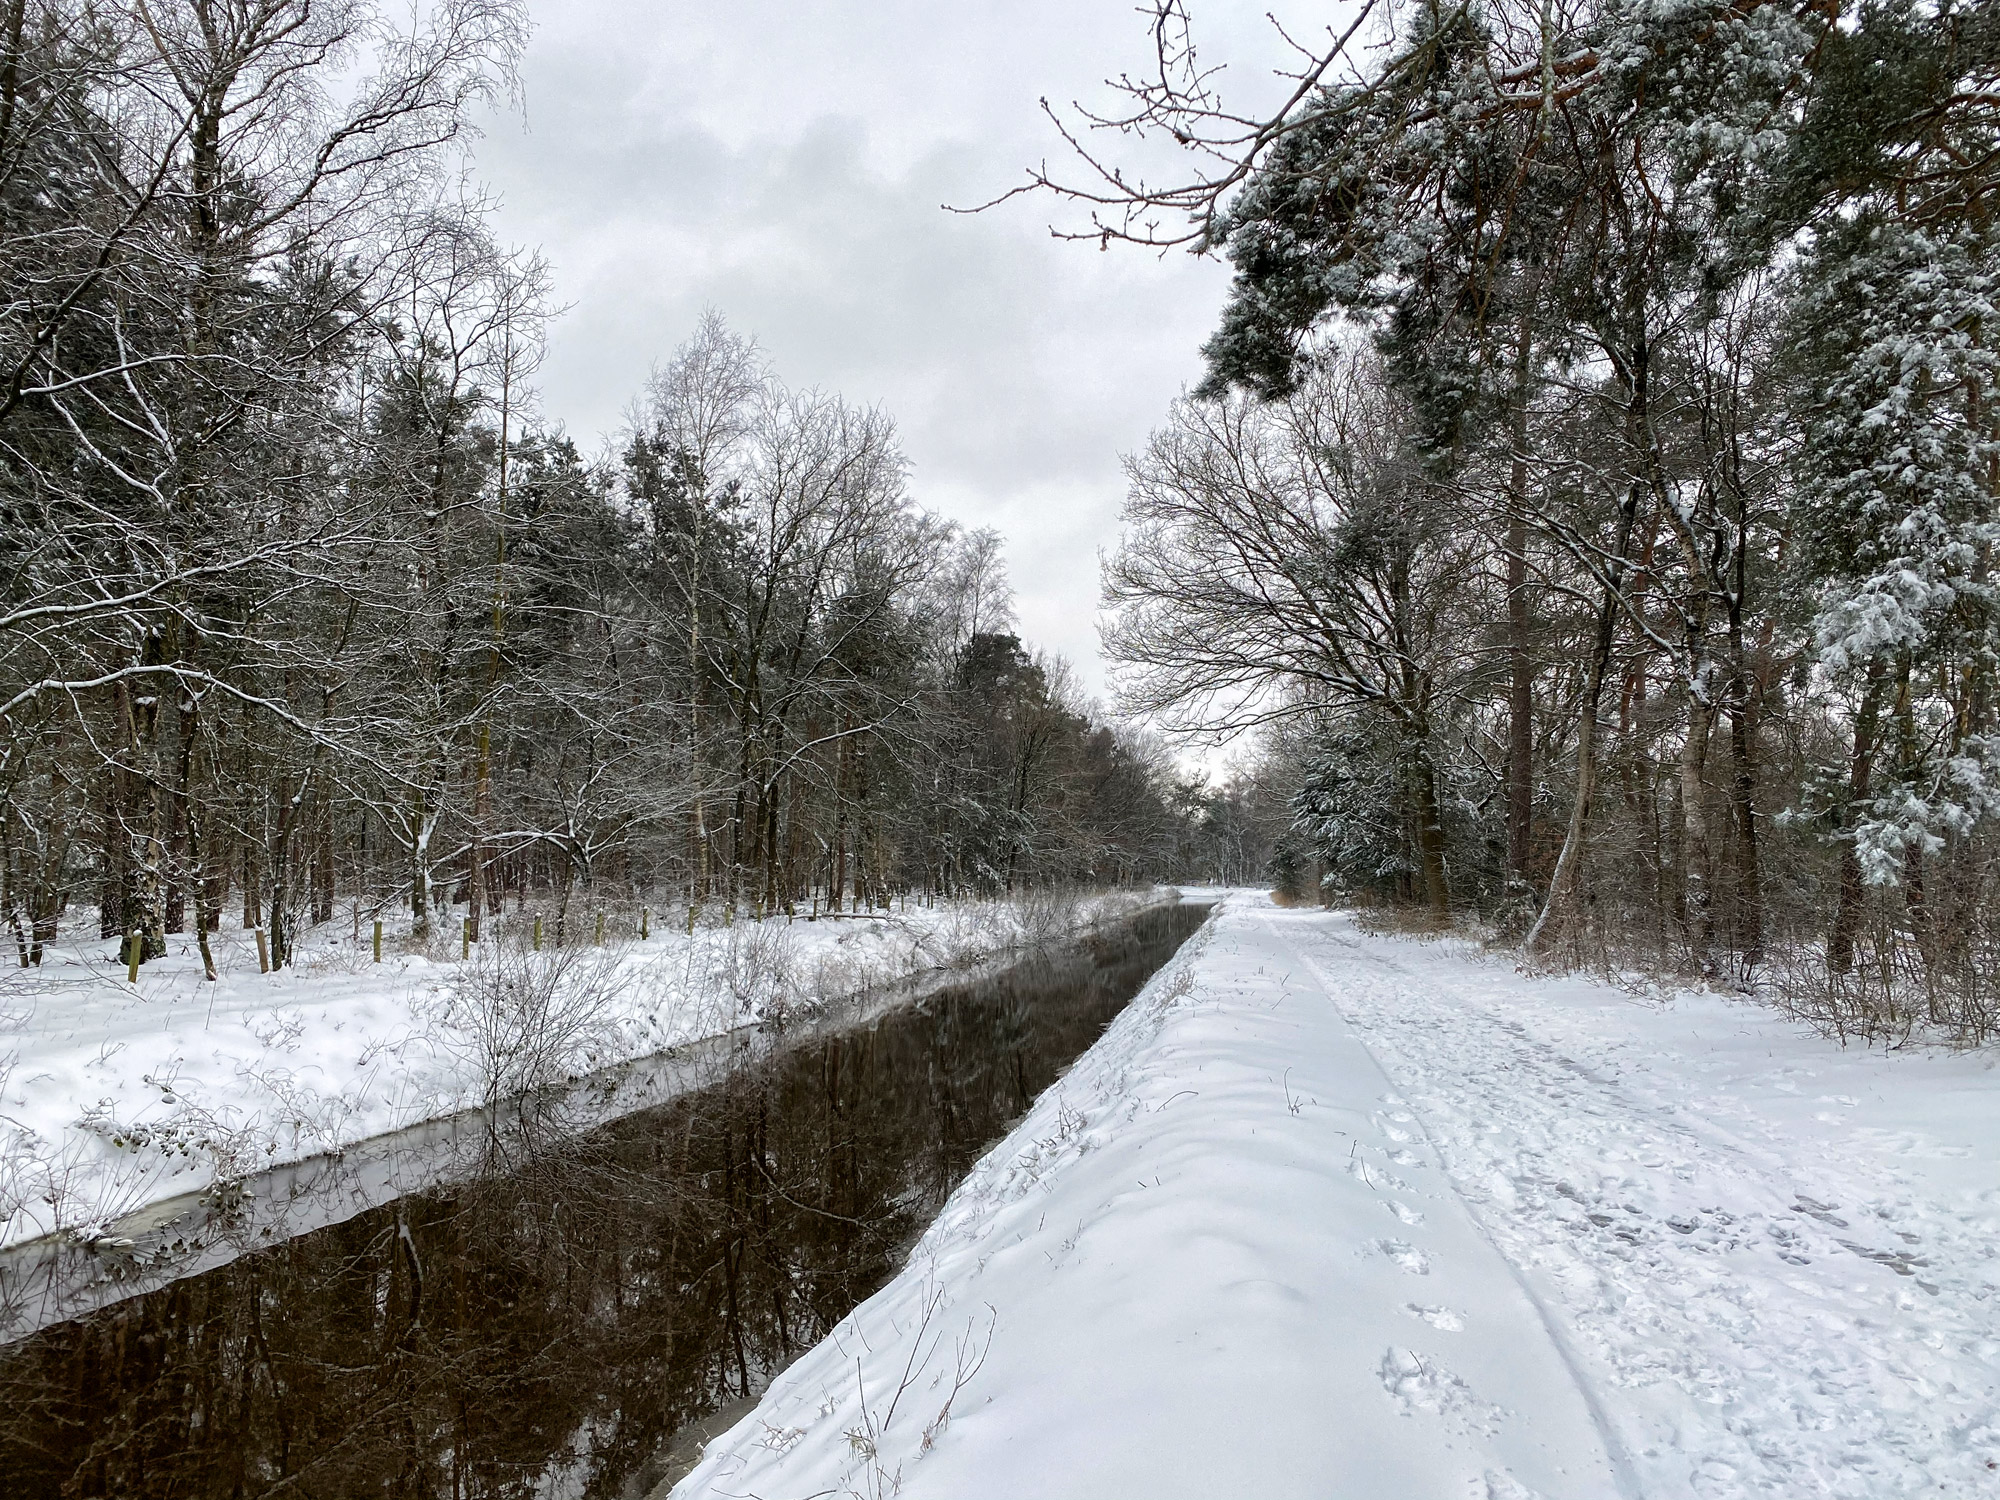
column 548, row 1328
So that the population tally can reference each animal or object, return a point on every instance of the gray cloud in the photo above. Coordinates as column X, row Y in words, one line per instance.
column 785, row 164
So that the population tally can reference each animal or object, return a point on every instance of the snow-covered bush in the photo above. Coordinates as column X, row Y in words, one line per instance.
column 524, row 1019
column 758, row 971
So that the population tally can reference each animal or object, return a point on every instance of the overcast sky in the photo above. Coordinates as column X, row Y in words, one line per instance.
column 784, row 163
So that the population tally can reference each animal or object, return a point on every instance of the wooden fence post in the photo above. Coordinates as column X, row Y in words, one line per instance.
column 134, row 946
column 378, row 940
column 263, row 953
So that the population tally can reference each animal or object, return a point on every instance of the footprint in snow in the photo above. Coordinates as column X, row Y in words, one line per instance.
column 1421, row 1384
column 1438, row 1317
column 1405, row 1213
column 1406, row 1256
column 1376, row 1176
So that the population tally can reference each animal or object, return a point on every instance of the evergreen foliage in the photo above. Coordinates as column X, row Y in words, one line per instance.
column 1685, row 312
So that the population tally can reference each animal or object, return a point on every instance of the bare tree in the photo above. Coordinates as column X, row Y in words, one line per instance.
column 1278, row 557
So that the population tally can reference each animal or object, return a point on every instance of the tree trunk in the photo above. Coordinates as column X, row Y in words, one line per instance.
column 420, row 874
column 322, row 857
column 253, row 884
column 1696, row 846
column 114, row 894
column 1430, row 835
column 198, row 880
column 1749, row 903
column 1563, row 909
column 1909, row 756
column 1521, row 669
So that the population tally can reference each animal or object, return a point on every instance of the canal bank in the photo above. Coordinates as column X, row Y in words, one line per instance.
column 166, row 1129
column 556, row 1320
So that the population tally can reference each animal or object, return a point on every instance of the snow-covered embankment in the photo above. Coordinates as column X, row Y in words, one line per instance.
column 115, row 1097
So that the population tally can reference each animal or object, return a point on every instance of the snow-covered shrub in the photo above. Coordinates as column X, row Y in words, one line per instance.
column 1046, row 914
column 523, row 1020
column 758, row 971
column 181, row 1131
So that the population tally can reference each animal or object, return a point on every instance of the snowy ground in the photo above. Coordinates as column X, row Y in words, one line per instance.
column 115, row 1096
column 1339, row 1215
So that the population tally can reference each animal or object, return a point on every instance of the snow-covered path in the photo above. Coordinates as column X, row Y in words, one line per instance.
column 1781, row 1283
column 1332, row 1214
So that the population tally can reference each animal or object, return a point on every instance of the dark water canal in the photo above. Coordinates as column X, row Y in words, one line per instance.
column 549, row 1328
